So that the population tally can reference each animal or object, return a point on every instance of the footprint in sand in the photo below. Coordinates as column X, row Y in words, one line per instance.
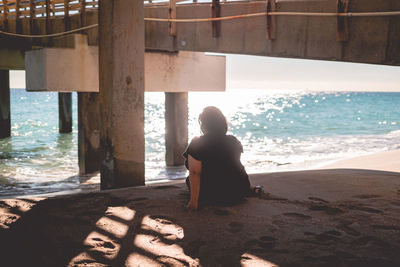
column 396, row 203
column 264, row 243
column 162, row 239
column 162, row 187
column 333, row 232
column 118, row 202
column 235, row 227
column 349, row 230
column 101, row 243
column 370, row 240
column 386, row 227
column 268, row 196
column 318, row 199
column 4, row 205
column 162, row 219
column 366, row 196
column 194, row 246
column 327, row 209
column 331, row 235
column 221, row 212
column 365, row 209
column 297, row 215
column 325, row 236
column 139, row 199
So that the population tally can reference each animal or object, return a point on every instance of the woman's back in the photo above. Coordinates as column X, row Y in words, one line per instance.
column 223, row 177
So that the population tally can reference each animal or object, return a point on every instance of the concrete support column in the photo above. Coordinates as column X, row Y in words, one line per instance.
column 176, row 127
column 88, row 132
column 65, row 112
column 5, row 117
column 121, row 83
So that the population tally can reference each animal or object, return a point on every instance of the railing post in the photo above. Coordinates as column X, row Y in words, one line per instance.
column 17, row 16
column 66, row 15
column 5, row 15
column 83, row 13
column 172, row 15
column 216, row 13
column 342, row 32
column 31, row 16
column 270, row 20
column 47, row 16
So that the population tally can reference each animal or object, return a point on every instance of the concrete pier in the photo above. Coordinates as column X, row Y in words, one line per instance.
column 5, row 117
column 176, row 127
column 65, row 112
column 88, row 132
column 121, row 84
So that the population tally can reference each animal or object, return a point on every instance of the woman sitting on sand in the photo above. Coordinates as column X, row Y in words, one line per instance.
column 216, row 175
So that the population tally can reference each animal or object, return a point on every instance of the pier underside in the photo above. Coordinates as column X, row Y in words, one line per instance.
column 366, row 39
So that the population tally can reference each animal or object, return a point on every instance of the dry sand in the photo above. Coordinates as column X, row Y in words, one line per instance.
column 382, row 161
column 339, row 217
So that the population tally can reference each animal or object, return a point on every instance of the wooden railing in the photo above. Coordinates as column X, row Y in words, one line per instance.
column 55, row 8
column 44, row 8
column 26, row 11
column 31, row 9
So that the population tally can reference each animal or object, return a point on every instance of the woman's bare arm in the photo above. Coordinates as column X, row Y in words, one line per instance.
column 194, row 178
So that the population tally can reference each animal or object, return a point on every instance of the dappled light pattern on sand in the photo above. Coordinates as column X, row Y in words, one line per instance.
column 313, row 218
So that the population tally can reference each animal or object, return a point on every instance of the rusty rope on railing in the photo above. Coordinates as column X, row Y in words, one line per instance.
column 310, row 14
column 52, row 34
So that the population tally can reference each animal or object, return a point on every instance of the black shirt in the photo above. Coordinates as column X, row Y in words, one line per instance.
column 223, row 178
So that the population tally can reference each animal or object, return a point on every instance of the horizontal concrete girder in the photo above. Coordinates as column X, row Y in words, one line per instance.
column 77, row 69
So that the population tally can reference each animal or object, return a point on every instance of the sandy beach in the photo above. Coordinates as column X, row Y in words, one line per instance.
column 381, row 161
column 345, row 216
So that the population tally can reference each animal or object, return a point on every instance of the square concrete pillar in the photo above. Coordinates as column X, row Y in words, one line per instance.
column 65, row 112
column 88, row 132
column 121, row 83
column 5, row 117
column 176, row 127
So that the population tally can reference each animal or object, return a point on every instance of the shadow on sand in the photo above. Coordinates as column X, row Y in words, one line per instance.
column 149, row 226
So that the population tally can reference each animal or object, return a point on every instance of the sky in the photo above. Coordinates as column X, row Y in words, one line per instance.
column 268, row 73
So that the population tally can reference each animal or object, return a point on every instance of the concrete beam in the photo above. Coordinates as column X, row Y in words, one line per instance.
column 11, row 59
column 121, row 72
column 5, row 114
column 176, row 127
column 88, row 132
column 184, row 72
column 65, row 69
column 65, row 112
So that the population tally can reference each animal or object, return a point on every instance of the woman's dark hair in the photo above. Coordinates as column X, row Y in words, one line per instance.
column 212, row 121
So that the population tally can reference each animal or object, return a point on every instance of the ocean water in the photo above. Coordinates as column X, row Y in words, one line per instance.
column 279, row 131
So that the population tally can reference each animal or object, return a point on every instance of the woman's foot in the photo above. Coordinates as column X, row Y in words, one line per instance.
column 256, row 190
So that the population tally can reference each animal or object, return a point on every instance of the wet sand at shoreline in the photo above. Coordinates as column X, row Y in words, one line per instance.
column 339, row 217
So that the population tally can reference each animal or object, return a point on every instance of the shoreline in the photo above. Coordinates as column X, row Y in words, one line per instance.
column 388, row 161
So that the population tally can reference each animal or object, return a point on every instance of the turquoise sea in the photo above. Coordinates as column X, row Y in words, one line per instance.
column 280, row 130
